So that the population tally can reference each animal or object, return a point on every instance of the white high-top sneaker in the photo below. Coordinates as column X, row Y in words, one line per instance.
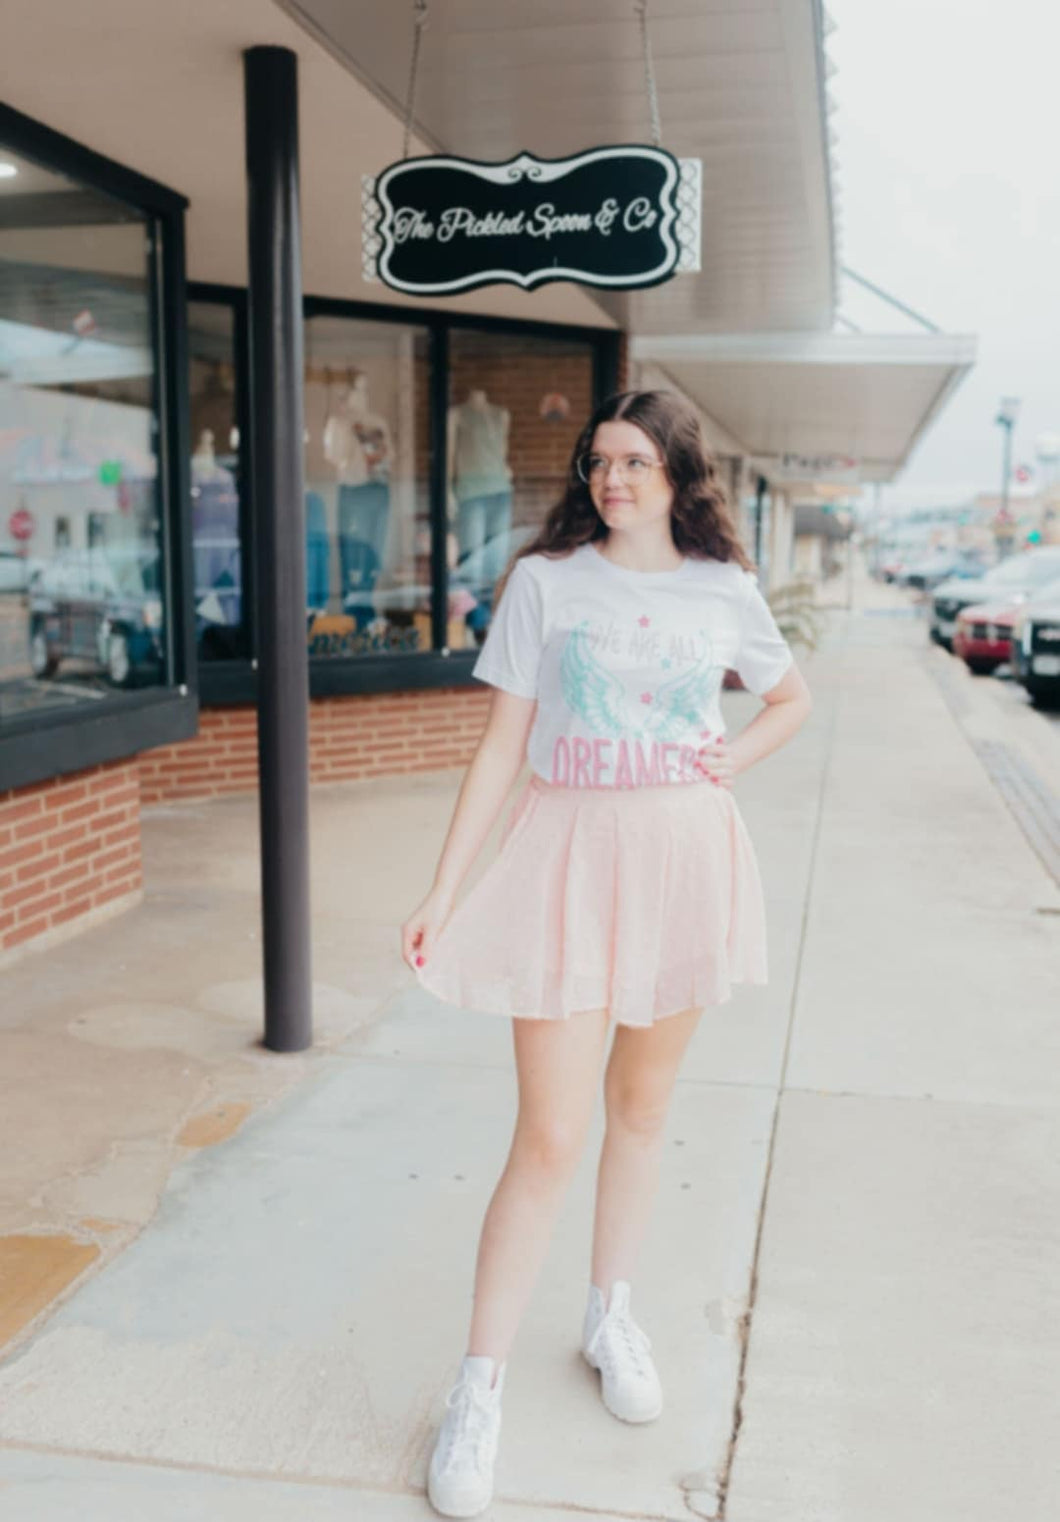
column 613, row 1343
column 460, row 1476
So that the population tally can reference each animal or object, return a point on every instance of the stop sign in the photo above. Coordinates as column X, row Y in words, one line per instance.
column 21, row 524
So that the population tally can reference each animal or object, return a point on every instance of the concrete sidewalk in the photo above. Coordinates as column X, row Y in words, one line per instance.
column 852, row 1282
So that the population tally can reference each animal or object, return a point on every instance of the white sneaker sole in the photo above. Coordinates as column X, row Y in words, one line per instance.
column 457, row 1506
column 629, row 1414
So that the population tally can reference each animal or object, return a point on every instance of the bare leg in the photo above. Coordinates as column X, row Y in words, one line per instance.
column 558, row 1066
column 638, row 1085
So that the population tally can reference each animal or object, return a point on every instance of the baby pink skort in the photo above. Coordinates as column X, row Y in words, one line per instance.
column 645, row 901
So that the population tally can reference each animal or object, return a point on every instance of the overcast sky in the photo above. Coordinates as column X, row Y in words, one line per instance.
column 948, row 158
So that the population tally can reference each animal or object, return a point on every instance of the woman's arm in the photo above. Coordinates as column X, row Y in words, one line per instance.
column 787, row 706
column 497, row 761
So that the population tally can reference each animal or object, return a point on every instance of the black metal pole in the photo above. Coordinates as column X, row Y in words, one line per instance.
column 439, row 483
column 276, row 430
column 761, row 487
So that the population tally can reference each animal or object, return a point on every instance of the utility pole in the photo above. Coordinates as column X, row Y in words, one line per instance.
column 1007, row 413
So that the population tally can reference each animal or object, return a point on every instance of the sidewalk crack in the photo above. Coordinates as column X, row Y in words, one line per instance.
column 744, row 1321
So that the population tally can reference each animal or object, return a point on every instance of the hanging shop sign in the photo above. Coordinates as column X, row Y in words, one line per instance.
column 618, row 217
column 833, row 469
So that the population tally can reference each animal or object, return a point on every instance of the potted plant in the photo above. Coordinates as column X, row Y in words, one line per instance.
column 799, row 619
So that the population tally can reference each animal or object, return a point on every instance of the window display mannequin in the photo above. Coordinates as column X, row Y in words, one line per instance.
column 357, row 443
column 480, row 479
column 478, row 447
column 204, row 464
column 357, row 440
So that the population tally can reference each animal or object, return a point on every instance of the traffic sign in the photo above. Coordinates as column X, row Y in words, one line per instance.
column 21, row 525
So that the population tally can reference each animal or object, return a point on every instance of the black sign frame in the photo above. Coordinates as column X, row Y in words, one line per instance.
column 401, row 225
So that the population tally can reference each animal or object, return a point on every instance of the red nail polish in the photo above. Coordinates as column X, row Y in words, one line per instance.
column 419, row 961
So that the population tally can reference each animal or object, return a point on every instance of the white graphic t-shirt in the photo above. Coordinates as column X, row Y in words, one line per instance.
column 627, row 666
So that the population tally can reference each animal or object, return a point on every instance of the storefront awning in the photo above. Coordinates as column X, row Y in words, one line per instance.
column 739, row 87
column 852, row 395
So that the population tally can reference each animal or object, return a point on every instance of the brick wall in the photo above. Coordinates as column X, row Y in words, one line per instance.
column 375, row 735
column 67, row 847
column 70, row 846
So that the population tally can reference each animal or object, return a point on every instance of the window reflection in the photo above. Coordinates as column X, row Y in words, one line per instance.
column 367, row 509
column 81, row 611
column 220, row 615
column 517, row 404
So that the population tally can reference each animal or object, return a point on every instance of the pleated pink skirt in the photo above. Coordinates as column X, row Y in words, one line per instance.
column 645, row 901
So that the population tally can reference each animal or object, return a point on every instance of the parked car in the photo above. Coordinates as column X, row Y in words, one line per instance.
column 1014, row 580
column 98, row 606
column 471, row 580
column 1036, row 644
column 983, row 636
column 15, row 571
column 923, row 575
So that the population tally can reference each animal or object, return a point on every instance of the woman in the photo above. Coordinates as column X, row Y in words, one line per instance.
column 626, row 888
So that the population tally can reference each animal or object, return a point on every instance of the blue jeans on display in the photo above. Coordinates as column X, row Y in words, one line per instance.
column 363, row 514
column 317, row 551
column 483, row 525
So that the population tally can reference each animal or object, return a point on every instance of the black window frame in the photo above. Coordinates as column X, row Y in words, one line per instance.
column 232, row 682
column 41, row 746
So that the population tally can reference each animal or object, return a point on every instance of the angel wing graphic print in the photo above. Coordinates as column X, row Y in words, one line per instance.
column 627, row 667
column 647, row 726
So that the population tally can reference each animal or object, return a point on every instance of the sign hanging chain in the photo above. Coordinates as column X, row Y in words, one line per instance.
column 641, row 9
column 419, row 21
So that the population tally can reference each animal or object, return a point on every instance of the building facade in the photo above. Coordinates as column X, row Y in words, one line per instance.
column 436, row 435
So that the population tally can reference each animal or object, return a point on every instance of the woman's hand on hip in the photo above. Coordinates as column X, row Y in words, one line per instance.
column 715, row 760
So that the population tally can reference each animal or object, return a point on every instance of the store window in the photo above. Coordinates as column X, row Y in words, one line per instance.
column 82, row 611
column 757, row 507
column 221, row 621
column 517, row 403
column 367, row 455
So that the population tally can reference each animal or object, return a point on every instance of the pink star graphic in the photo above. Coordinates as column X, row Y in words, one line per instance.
column 645, row 697
column 644, row 620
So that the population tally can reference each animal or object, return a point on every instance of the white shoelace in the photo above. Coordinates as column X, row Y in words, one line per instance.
column 632, row 1343
column 471, row 1429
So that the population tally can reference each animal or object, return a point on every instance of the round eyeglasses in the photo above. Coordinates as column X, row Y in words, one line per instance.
column 633, row 469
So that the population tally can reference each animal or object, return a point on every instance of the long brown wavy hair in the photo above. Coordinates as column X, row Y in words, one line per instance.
column 701, row 519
